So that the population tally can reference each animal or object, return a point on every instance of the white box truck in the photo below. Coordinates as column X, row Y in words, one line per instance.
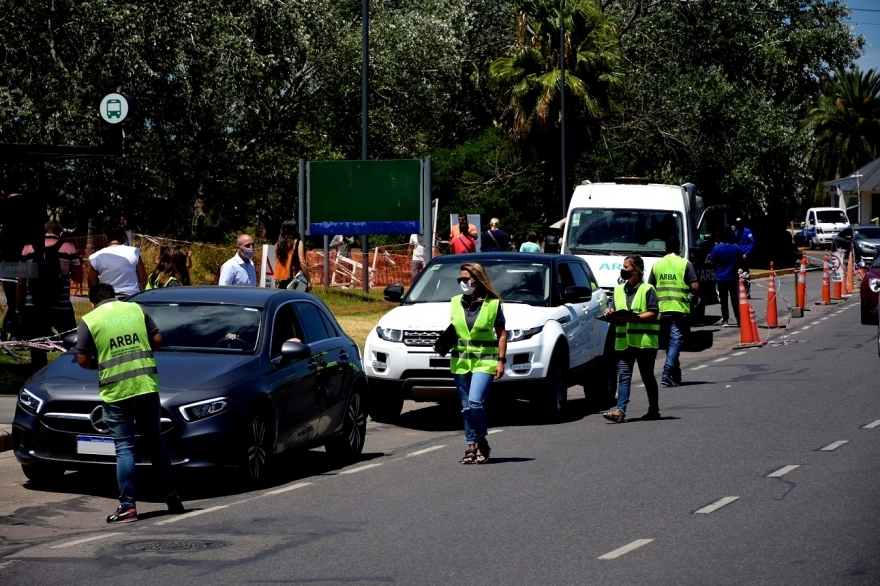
column 608, row 221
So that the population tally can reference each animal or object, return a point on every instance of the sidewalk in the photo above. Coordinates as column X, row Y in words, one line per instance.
column 7, row 412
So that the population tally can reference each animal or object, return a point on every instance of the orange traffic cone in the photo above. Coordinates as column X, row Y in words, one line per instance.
column 772, row 318
column 802, row 283
column 753, row 323
column 826, row 280
column 746, row 336
column 850, row 269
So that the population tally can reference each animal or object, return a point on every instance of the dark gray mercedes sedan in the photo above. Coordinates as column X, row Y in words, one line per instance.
column 244, row 374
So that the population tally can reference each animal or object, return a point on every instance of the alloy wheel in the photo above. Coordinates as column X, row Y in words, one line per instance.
column 356, row 423
column 257, row 454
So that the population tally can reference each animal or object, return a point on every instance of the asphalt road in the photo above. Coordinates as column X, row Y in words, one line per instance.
column 763, row 471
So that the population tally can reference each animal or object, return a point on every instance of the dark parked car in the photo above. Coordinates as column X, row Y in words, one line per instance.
column 235, row 390
column 865, row 241
column 869, row 295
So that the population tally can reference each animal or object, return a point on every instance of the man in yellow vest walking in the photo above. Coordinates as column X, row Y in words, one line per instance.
column 118, row 339
column 675, row 279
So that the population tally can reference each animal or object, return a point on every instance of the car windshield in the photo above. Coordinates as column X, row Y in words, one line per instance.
column 870, row 233
column 622, row 231
column 203, row 326
column 515, row 281
column 831, row 216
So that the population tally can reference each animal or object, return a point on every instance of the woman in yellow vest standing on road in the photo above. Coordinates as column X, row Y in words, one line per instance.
column 637, row 337
column 479, row 355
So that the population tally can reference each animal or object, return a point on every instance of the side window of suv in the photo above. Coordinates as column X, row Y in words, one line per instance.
column 578, row 274
column 591, row 280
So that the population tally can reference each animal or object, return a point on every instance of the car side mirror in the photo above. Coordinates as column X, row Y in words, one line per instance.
column 576, row 293
column 69, row 341
column 294, row 351
column 393, row 293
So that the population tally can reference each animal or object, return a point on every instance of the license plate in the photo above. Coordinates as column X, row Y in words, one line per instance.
column 438, row 363
column 95, row 445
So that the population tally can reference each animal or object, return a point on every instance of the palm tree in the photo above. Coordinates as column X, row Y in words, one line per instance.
column 529, row 80
column 845, row 123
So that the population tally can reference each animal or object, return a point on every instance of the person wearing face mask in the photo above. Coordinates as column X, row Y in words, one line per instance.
column 478, row 355
column 239, row 270
column 637, row 336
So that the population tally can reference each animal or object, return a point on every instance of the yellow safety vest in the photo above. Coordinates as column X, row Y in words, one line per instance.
column 673, row 294
column 477, row 348
column 642, row 334
column 150, row 284
column 126, row 367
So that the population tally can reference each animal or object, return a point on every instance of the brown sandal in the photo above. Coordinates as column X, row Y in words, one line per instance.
column 470, row 457
column 617, row 416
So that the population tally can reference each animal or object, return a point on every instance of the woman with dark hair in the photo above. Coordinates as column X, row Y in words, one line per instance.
column 637, row 336
column 290, row 256
column 479, row 354
column 172, row 270
column 119, row 265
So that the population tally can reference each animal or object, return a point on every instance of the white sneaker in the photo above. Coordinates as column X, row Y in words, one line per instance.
column 725, row 323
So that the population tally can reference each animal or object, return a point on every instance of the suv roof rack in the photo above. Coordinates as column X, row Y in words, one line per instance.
column 632, row 180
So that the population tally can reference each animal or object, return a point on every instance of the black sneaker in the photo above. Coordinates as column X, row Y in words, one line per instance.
column 174, row 503
column 651, row 416
column 123, row 516
column 667, row 382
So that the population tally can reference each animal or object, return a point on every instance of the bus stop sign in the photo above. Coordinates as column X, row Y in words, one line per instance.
column 114, row 108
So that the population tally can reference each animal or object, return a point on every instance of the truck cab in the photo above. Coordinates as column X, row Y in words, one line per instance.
column 608, row 221
column 821, row 225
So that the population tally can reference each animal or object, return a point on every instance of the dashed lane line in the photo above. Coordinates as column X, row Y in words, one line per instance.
column 700, row 366
column 190, row 515
column 722, row 502
column 287, row 488
column 425, row 451
column 722, row 359
column 739, row 353
column 361, row 468
column 834, row 446
column 806, row 327
column 84, row 540
column 625, row 549
column 491, row 431
column 783, row 471
column 872, row 425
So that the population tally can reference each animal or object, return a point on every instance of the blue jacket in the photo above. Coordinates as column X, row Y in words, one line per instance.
column 724, row 258
column 744, row 240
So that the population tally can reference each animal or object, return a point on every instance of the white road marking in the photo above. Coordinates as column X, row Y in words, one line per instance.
column 739, row 353
column 359, row 469
column 625, row 549
column 871, row 425
column 176, row 518
column 491, row 431
column 425, row 451
column 287, row 488
column 727, row 386
column 7, row 564
column 834, row 446
column 639, row 385
column 699, row 367
column 806, row 327
column 717, row 505
column 84, row 540
column 783, row 471
column 722, row 359
column 823, row 318
column 793, row 333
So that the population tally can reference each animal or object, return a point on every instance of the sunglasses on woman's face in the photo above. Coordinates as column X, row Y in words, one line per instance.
column 463, row 279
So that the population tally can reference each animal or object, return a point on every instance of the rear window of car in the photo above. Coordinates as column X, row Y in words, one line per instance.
column 206, row 327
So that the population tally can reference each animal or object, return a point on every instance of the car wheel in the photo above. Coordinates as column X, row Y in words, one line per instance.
column 42, row 473
column 385, row 404
column 555, row 391
column 257, row 447
column 354, row 429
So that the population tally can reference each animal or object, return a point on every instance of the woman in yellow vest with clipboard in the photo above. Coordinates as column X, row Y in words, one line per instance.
column 478, row 344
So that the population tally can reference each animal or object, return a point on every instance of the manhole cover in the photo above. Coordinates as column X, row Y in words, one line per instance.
column 174, row 545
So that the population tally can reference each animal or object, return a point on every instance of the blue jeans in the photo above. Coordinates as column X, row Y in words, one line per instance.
column 677, row 323
column 120, row 417
column 645, row 358
column 472, row 389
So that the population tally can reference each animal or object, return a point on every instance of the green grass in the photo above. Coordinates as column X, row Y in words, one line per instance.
column 357, row 314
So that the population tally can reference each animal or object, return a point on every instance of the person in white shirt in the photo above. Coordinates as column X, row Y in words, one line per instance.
column 417, row 252
column 119, row 265
column 239, row 270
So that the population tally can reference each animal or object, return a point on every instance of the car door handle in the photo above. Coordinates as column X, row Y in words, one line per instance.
column 313, row 364
column 343, row 356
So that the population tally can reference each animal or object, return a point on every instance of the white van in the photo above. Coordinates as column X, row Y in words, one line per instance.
column 608, row 221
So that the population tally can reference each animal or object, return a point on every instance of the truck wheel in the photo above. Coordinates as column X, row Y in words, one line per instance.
column 811, row 244
column 385, row 404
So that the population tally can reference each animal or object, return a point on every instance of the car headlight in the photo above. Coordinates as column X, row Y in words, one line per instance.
column 29, row 401
column 203, row 409
column 389, row 334
column 867, row 245
column 518, row 335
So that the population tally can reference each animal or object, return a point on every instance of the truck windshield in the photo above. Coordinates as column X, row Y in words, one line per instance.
column 831, row 217
column 622, row 231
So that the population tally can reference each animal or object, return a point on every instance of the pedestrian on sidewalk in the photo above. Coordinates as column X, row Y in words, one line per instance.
column 725, row 257
column 239, row 270
column 119, row 265
column 637, row 337
column 478, row 354
column 118, row 340
column 675, row 281
column 531, row 243
column 290, row 258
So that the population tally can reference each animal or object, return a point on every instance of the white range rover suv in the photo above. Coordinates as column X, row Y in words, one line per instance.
column 554, row 339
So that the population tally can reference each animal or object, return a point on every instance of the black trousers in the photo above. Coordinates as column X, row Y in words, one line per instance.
column 40, row 321
column 728, row 289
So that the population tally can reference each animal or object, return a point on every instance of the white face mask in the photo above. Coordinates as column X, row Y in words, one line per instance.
column 467, row 287
column 247, row 253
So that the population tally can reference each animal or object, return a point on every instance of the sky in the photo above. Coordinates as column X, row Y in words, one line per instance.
column 866, row 17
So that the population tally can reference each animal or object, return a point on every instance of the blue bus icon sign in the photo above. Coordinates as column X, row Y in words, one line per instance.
column 114, row 109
